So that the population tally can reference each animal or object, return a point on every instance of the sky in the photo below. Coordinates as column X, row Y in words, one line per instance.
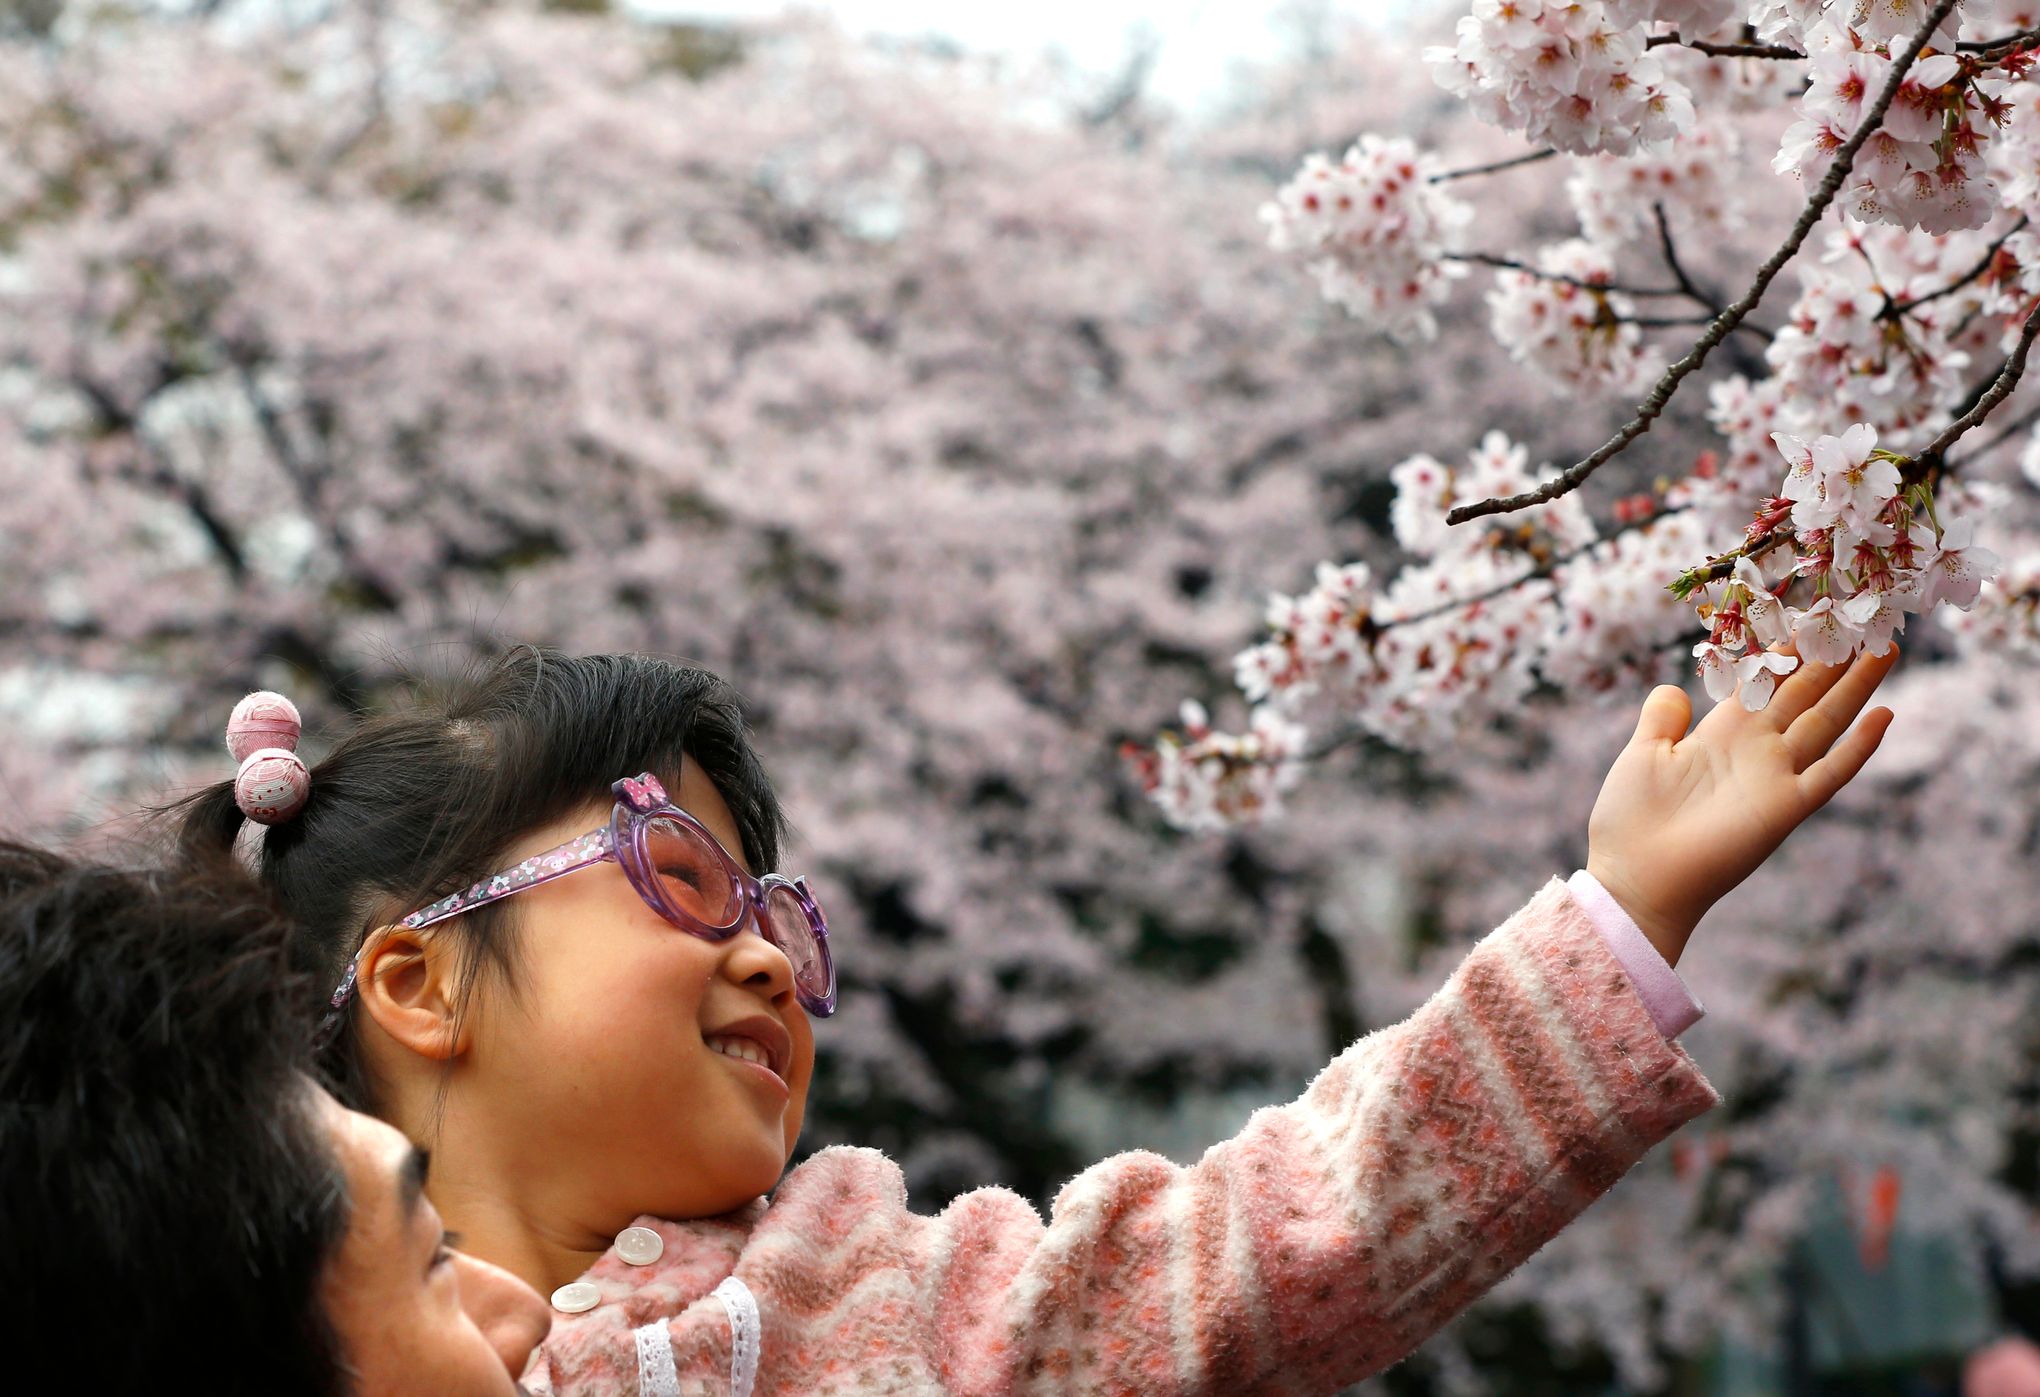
column 1200, row 39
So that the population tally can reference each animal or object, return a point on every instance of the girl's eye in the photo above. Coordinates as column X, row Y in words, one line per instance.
column 689, row 875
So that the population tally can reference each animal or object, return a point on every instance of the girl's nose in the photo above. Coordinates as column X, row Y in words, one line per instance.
column 751, row 957
column 510, row 1314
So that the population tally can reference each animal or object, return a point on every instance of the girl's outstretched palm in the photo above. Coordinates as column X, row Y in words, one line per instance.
column 1684, row 817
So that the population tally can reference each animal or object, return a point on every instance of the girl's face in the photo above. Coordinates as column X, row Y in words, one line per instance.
column 595, row 1077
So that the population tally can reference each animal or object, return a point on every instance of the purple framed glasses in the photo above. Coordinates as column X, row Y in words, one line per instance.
column 681, row 871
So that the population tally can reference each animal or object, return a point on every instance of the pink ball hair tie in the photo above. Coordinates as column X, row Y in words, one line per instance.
column 273, row 782
column 263, row 719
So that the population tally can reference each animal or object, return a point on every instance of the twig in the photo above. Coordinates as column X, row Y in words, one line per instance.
column 1998, row 438
column 1713, row 50
column 2000, row 388
column 1509, row 164
column 1930, row 458
column 1895, row 308
column 1660, row 322
column 1991, row 50
column 1647, row 412
column 1508, row 264
column 1677, row 269
column 1538, row 573
column 1724, row 565
column 1746, row 365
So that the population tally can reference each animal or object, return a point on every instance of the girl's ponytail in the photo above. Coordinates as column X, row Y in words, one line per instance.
column 207, row 824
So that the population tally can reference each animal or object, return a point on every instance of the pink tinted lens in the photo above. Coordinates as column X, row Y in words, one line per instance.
column 690, row 872
column 792, row 934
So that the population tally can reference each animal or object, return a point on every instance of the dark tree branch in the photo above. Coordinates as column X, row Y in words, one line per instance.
column 1983, row 265
column 1991, row 50
column 1935, row 454
column 1509, row 264
column 1712, row 50
column 1130, row 84
column 116, row 417
column 1686, row 283
column 1511, row 163
column 1662, row 322
column 306, row 482
column 1998, row 438
column 1654, row 404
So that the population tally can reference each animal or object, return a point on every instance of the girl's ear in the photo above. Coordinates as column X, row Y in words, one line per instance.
column 406, row 984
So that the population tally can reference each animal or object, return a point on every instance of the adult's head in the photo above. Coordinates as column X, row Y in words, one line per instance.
column 554, row 1048
column 179, row 1201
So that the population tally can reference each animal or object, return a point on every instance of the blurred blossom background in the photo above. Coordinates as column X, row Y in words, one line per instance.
column 925, row 371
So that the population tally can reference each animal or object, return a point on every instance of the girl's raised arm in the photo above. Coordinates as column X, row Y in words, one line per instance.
column 1332, row 1235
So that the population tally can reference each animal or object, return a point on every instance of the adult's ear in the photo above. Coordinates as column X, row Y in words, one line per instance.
column 406, row 985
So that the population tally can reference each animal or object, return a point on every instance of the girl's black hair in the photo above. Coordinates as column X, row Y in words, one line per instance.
column 423, row 800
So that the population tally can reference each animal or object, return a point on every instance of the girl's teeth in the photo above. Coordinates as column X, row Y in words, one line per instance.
column 743, row 1048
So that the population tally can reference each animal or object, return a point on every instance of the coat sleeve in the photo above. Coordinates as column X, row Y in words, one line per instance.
column 1332, row 1235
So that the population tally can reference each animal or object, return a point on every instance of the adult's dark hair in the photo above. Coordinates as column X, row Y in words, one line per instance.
column 423, row 800
column 168, row 1200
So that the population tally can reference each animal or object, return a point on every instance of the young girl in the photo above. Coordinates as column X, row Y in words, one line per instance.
column 535, row 893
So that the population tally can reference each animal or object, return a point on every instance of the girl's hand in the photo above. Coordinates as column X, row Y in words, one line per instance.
column 1684, row 817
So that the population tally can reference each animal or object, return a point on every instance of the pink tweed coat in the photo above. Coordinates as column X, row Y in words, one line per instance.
column 1321, row 1244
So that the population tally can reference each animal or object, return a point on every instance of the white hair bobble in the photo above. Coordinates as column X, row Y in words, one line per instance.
column 273, row 781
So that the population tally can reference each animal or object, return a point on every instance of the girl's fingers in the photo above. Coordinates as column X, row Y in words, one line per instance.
column 1838, row 768
column 1813, row 732
column 1802, row 689
column 1666, row 712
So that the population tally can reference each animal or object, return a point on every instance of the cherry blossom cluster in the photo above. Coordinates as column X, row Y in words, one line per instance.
column 1615, row 614
column 1206, row 780
column 1376, row 230
column 1868, row 341
column 1696, row 178
column 1573, row 74
column 2014, row 151
column 1868, row 548
column 2006, row 617
column 1448, row 645
column 1566, row 326
column 1924, row 167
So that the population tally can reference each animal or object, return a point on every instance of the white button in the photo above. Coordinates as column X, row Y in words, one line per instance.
column 640, row 1246
column 573, row 1298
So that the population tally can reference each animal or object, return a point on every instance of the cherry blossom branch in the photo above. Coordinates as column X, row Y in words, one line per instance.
column 1353, row 734
column 1509, row 264
column 1998, row 438
column 1991, row 50
column 1714, row 50
column 1709, row 300
column 1570, row 479
column 1935, row 453
column 1893, row 308
column 1471, row 170
column 1753, row 548
column 1543, row 570
column 1676, row 267
column 1661, row 322
column 1929, row 459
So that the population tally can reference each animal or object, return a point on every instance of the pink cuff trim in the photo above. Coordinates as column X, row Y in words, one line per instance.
column 1671, row 1005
